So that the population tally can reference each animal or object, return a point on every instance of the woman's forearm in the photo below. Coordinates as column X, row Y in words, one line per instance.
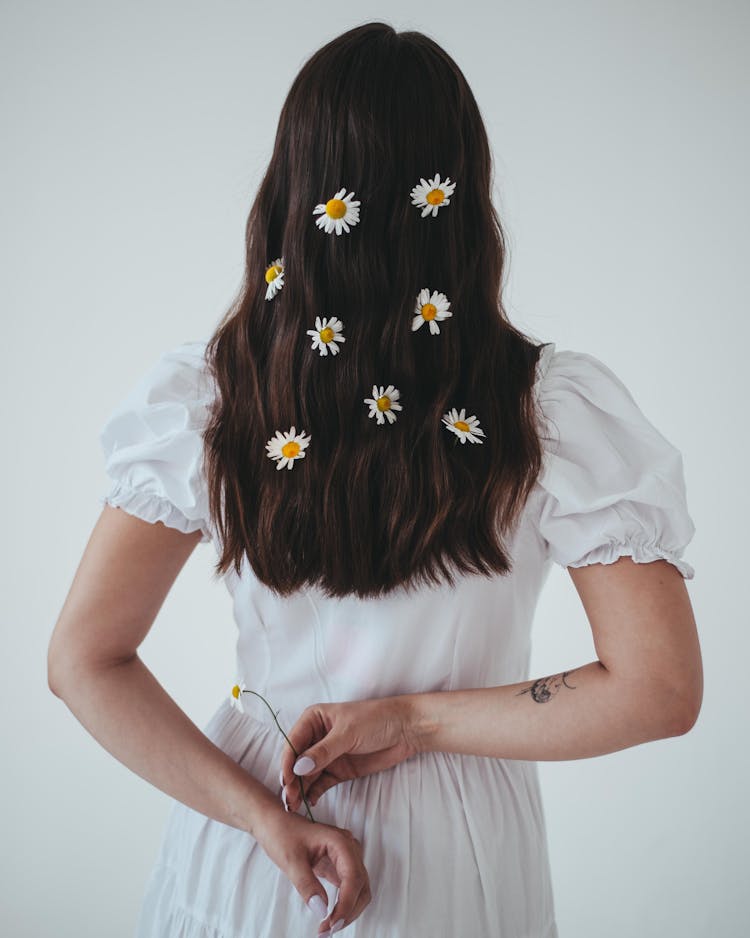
column 571, row 715
column 125, row 709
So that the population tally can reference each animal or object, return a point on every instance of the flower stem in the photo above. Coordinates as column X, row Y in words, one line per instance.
column 296, row 754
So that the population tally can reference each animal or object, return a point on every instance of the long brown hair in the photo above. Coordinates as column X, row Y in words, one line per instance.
column 372, row 507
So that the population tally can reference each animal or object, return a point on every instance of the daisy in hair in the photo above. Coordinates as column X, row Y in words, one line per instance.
column 274, row 278
column 383, row 403
column 326, row 334
column 287, row 447
column 431, row 308
column 338, row 213
column 432, row 195
column 465, row 428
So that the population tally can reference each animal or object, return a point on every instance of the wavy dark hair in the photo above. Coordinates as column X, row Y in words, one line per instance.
column 372, row 507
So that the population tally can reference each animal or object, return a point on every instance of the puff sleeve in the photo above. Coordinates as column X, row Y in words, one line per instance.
column 611, row 483
column 153, row 447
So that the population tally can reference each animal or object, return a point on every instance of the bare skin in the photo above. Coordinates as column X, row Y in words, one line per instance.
column 126, row 572
column 646, row 684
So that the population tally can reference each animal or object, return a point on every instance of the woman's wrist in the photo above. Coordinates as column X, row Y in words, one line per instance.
column 265, row 817
column 419, row 720
column 259, row 810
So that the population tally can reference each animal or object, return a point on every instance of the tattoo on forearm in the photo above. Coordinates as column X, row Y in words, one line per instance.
column 545, row 688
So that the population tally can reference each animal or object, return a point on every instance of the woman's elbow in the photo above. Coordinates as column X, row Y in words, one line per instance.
column 685, row 701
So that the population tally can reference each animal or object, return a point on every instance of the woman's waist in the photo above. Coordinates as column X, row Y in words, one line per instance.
column 255, row 734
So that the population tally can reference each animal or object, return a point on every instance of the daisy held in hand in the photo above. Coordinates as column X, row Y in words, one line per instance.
column 236, row 701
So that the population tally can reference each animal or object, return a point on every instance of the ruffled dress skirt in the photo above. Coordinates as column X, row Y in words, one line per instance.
column 453, row 845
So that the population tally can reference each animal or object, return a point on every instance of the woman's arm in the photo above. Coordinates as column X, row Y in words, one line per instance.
column 124, row 576
column 122, row 580
column 647, row 683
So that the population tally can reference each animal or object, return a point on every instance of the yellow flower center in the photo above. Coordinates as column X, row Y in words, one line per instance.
column 462, row 425
column 272, row 273
column 429, row 311
column 290, row 449
column 384, row 403
column 236, row 691
column 435, row 196
column 326, row 334
column 336, row 208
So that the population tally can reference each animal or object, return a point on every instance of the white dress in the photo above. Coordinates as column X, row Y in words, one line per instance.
column 453, row 844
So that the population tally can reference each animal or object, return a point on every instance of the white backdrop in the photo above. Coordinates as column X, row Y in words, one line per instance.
column 134, row 137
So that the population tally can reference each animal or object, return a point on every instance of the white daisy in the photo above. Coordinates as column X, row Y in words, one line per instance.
column 236, row 697
column 326, row 334
column 432, row 195
column 274, row 278
column 383, row 402
column 287, row 447
column 465, row 428
column 430, row 308
column 337, row 213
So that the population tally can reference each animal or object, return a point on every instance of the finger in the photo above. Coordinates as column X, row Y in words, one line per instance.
column 324, row 869
column 363, row 900
column 300, row 737
column 353, row 767
column 303, row 734
column 298, row 791
column 320, row 787
column 287, row 777
column 354, row 880
column 325, row 736
column 321, row 754
column 309, row 887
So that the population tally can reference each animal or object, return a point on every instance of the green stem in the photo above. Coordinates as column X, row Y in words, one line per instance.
column 296, row 754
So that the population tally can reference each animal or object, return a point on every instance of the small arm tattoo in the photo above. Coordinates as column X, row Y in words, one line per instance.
column 545, row 688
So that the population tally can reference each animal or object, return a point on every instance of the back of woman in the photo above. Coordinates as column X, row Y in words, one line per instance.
column 387, row 468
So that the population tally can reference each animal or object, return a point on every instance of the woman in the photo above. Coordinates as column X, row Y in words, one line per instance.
column 387, row 469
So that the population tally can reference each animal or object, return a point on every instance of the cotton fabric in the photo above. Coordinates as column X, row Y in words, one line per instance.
column 453, row 844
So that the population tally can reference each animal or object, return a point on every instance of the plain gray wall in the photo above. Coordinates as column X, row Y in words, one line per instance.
column 134, row 138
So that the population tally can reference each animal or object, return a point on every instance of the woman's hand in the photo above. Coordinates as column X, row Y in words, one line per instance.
column 344, row 740
column 304, row 851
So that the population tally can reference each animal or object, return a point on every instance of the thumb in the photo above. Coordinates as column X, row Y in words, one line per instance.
column 310, row 888
column 322, row 754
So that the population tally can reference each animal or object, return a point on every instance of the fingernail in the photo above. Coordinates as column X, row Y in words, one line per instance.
column 337, row 926
column 303, row 765
column 281, row 777
column 318, row 907
column 283, row 798
column 324, row 934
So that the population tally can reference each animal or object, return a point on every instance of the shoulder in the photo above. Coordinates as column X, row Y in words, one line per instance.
column 611, row 481
column 178, row 373
column 152, row 440
column 581, row 397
